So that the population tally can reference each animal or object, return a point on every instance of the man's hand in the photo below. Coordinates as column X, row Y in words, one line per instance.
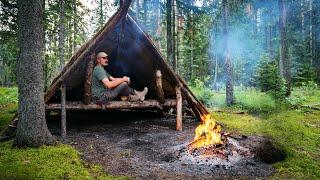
column 126, row 79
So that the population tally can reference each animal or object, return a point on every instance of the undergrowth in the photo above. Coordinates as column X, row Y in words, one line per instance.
column 8, row 105
column 248, row 99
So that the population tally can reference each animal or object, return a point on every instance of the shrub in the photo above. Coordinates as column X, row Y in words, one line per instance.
column 269, row 80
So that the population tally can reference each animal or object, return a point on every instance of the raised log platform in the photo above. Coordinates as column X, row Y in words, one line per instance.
column 152, row 103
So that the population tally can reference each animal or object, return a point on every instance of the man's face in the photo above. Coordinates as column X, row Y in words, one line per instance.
column 103, row 61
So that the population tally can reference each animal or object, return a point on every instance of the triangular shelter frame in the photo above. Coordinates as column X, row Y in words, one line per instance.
column 168, row 88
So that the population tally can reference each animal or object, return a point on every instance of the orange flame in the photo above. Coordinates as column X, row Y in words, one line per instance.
column 207, row 133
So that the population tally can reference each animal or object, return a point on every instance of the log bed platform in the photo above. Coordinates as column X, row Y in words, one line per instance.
column 152, row 103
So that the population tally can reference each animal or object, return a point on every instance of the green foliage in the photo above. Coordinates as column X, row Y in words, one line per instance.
column 8, row 105
column 203, row 93
column 249, row 99
column 8, row 95
column 195, row 43
column 8, row 42
column 304, row 95
column 254, row 101
column 269, row 80
column 46, row 162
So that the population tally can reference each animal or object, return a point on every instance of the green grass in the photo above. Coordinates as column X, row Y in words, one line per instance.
column 47, row 162
column 295, row 130
column 248, row 99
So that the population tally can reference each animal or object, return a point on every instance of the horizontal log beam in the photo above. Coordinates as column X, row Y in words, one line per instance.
column 114, row 105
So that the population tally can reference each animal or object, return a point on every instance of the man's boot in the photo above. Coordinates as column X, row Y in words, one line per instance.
column 133, row 97
column 141, row 94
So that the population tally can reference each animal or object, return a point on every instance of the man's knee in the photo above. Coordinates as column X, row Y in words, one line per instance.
column 124, row 83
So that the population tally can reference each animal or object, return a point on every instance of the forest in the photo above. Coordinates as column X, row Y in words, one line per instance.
column 254, row 64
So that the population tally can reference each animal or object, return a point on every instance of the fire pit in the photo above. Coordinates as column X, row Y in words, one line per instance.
column 146, row 147
column 226, row 154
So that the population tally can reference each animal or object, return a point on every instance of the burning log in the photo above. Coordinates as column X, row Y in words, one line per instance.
column 207, row 133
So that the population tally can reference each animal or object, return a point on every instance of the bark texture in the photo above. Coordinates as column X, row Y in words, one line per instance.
column 62, row 34
column 32, row 129
column 169, row 31
column 284, row 64
column 227, row 57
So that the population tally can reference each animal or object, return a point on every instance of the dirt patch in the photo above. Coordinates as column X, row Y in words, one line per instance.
column 142, row 145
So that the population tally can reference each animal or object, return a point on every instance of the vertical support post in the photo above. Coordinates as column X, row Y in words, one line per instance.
column 160, row 92
column 179, row 109
column 63, row 111
column 88, row 79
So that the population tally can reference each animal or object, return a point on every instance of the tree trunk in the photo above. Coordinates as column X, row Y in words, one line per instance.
column 284, row 64
column 174, row 58
column 302, row 19
column 215, row 77
column 270, row 46
column 138, row 10
column 169, row 31
column 61, row 34
column 101, row 16
column 190, row 36
column 227, row 57
column 145, row 14
column 178, row 39
column 32, row 129
column 69, row 38
column 158, row 20
column 311, row 33
column 75, row 25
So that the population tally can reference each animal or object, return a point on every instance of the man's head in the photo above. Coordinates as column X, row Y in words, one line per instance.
column 102, row 59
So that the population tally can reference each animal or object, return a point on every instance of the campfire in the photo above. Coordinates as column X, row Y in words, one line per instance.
column 208, row 133
column 212, row 147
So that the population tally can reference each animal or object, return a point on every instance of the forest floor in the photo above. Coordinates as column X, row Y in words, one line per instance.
column 144, row 146
column 96, row 146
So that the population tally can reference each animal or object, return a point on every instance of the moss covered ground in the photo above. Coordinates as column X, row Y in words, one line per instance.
column 47, row 162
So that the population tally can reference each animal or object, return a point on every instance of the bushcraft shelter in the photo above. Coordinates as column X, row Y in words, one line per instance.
column 131, row 53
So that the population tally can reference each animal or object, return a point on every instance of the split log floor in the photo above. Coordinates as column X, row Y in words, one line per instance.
column 145, row 146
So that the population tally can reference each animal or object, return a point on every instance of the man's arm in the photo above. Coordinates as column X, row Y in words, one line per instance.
column 114, row 81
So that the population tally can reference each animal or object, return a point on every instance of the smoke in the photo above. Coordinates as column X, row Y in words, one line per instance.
column 247, row 39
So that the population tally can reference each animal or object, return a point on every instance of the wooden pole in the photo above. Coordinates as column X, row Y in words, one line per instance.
column 179, row 109
column 63, row 111
column 88, row 79
column 160, row 92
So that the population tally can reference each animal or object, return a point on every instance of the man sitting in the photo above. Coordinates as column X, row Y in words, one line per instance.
column 106, row 88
